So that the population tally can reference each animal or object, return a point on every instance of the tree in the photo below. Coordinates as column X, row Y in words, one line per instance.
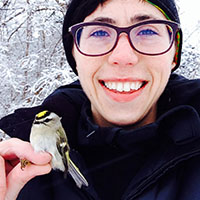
column 32, row 58
column 33, row 62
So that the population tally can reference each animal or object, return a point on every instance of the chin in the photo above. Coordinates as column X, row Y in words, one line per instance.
column 123, row 122
column 131, row 123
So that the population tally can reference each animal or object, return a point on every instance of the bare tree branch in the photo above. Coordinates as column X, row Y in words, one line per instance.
column 11, row 18
column 16, row 29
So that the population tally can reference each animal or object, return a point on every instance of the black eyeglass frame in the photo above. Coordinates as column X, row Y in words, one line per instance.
column 175, row 27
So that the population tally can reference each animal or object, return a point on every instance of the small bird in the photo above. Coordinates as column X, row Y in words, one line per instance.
column 47, row 134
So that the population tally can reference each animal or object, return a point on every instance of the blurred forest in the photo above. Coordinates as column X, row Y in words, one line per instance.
column 32, row 59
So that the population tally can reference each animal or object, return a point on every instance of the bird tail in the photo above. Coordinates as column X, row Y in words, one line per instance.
column 76, row 174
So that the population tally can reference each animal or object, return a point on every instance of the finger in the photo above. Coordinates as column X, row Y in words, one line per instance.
column 17, row 178
column 2, row 179
column 14, row 147
column 10, row 164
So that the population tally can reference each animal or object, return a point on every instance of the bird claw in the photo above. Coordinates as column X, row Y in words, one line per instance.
column 24, row 163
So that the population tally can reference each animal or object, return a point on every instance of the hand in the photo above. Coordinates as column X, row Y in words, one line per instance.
column 12, row 177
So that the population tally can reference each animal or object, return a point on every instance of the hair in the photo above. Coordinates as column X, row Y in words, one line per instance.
column 78, row 10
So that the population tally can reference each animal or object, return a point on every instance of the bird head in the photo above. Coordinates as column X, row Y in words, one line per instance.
column 47, row 118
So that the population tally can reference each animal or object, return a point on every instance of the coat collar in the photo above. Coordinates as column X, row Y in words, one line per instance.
column 176, row 141
column 179, row 141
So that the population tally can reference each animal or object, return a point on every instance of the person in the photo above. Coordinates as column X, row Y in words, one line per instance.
column 133, row 125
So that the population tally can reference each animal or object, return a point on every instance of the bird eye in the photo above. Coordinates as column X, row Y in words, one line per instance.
column 47, row 120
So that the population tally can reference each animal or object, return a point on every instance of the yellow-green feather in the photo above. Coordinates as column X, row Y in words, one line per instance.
column 42, row 114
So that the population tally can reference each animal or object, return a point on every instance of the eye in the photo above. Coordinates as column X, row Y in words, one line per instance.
column 147, row 32
column 100, row 33
column 47, row 120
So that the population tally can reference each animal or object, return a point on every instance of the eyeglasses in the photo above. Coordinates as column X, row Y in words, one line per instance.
column 152, row 37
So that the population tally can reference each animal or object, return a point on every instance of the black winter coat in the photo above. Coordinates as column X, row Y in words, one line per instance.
column 160, row 161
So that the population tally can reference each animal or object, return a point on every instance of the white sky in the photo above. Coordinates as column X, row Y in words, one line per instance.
column 190, row 21
column 189, row 11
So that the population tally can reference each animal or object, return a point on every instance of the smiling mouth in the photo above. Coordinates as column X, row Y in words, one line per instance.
column 123, row 87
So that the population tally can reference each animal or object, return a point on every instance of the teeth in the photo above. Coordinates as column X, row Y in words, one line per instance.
column 123, row 86
column 127, row 87
column 120, row 87
column 113, row 86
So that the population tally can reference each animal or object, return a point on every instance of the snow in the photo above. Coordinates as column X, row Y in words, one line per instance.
column 33, row 62
column 190, row 23
column 189, row 11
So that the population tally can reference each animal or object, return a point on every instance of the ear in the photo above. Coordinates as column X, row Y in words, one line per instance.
column 73, row 49
column 174, row 62
column 173, row 65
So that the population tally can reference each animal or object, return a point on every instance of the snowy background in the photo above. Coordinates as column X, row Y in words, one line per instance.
column 32, row 60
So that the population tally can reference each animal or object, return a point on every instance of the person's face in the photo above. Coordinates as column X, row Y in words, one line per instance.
column 124, row 67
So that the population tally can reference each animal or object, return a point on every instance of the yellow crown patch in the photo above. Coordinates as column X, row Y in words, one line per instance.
column 42, row 114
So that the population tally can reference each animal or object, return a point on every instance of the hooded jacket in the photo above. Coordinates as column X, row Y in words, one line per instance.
column 159, row 161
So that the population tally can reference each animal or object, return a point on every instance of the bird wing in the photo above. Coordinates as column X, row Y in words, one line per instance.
column 63, row 148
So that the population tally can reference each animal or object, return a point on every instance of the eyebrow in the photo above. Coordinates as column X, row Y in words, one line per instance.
column 141, row 17
column 105, row 20
column 135, row 19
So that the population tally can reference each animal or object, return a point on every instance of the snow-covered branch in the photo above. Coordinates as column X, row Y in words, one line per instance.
column 33, row 62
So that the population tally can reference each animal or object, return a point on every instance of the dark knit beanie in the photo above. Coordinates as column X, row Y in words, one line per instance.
column 78, row 10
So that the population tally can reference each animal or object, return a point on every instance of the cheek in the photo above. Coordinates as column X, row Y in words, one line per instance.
column 164, row 63
column 87, row 68
column 83, row 63
column 160, row 69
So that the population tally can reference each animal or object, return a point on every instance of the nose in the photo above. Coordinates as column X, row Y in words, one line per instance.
column 123, row 54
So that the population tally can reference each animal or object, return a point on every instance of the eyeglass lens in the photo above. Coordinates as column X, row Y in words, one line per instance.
column 148, row 38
